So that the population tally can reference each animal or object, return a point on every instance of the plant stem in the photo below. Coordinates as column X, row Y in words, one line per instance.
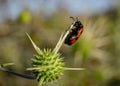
column 17, row 74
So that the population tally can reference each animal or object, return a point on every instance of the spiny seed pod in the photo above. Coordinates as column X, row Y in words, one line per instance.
column 47, row 66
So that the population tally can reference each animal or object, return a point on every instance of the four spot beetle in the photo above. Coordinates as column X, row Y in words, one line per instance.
column 75, row 32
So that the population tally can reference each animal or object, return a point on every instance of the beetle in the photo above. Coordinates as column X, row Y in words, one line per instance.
column 74, row 33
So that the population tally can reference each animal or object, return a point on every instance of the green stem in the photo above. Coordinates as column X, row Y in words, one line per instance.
column 17, row 74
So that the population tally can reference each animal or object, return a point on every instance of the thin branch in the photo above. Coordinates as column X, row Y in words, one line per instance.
column 17, row 74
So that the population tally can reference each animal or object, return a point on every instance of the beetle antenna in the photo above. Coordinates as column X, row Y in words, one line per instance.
column 72, row 18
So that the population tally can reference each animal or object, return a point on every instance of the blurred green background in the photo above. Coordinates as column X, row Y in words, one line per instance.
column 98, row 49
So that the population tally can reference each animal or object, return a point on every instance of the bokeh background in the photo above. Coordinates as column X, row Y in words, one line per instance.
column 98, row 49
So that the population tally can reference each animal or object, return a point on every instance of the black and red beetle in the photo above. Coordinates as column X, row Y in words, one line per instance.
column 75, row 32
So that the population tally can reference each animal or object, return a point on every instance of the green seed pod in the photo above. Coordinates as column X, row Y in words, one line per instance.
column 47, row 66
